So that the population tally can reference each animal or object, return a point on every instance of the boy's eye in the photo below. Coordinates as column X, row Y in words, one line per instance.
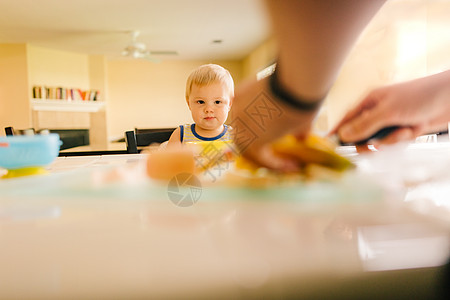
column 217, row 102
column 200, row 101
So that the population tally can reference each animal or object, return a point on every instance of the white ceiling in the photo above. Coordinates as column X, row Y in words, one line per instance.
column 103, row 26
column 185, row 26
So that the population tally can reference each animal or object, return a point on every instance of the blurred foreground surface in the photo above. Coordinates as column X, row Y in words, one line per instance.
column 98, row 227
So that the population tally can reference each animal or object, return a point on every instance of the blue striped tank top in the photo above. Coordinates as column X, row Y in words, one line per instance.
column 188, row 134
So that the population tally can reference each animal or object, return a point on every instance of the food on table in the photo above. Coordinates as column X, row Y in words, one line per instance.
column 167, row 163
column 312, row 150
column 315, row 155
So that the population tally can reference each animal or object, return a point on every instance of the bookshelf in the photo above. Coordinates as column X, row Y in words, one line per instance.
column 65, row 99
column 65, row 105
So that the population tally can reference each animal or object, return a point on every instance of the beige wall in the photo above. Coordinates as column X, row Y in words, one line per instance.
column 260, row 58
column 14, row 92
column 50, row 67
column 151, row 95
column 98, row 134
column 55, row 68
column 405, row 40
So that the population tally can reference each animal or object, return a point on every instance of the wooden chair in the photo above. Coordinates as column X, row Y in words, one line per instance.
column 135, row 141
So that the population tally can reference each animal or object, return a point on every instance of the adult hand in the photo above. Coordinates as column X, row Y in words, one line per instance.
column 418, row 107
column 258, row 118
column 312, row 43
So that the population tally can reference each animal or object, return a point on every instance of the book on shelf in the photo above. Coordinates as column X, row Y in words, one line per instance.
column 61, row 93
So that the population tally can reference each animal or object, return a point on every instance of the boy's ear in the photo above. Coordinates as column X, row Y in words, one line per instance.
column 230, row 103
column 187, row 102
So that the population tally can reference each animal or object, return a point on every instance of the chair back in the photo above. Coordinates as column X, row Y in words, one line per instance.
column 9, row 131
column 135, row 141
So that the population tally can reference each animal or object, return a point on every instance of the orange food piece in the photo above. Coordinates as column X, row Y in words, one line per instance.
column 312, row 150
column 164, row 165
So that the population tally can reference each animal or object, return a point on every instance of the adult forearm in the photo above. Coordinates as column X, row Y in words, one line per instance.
column 314, row 38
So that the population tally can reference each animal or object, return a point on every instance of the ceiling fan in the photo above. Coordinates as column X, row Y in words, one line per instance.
column 139, row 50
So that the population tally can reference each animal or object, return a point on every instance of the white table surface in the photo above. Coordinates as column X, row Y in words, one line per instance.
column 97, row 228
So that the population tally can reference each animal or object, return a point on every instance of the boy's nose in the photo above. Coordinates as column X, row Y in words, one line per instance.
column 209, row 108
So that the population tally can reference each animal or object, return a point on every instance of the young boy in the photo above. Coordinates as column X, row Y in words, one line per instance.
column 209, row 93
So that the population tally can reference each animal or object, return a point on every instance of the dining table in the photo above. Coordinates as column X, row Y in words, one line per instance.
column 98, row 227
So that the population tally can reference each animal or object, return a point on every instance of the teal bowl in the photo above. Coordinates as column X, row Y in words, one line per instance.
column 20, row 151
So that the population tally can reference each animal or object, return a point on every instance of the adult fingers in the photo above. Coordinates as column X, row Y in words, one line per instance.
column 369, row 102
column 265, row 157
column 401, row 134
column 363, row 125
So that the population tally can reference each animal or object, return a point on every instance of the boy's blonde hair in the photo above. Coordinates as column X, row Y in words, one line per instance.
column 207, row 74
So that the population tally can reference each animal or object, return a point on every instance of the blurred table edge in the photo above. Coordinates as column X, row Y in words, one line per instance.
column 111, row 148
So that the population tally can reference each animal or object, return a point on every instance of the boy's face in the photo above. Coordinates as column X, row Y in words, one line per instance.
column 209, row 105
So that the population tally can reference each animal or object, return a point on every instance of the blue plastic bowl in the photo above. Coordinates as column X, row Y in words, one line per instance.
column 28, row 151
